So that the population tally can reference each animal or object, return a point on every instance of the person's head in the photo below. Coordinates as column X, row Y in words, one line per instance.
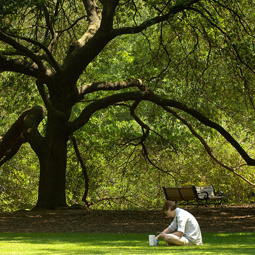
column 169, row 208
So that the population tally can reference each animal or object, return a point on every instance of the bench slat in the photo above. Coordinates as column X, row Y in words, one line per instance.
column 172, row 194
column 188, row 193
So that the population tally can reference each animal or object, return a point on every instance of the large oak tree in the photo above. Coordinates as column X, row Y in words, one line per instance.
column 55, row 41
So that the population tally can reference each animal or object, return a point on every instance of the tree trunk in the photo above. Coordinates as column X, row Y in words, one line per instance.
column 52, row 157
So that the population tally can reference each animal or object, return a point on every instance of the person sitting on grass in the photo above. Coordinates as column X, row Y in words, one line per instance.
column 184, row 229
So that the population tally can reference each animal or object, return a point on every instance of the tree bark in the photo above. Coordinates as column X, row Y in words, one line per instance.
column 52, row 157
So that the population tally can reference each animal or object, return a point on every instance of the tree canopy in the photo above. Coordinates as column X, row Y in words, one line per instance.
column 148, row 76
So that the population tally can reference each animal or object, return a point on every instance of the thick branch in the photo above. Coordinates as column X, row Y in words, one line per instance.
column 42, row 91
column 109, row 8
column 19, row 66
column 85, row 49
column 31, row 122
column 94, row 18
column 12, row 135
column 97, row 86
column 13, row 150
column 15, row 136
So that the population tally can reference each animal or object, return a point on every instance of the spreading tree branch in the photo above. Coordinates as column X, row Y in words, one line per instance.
column 19, row 66
column 149, row 96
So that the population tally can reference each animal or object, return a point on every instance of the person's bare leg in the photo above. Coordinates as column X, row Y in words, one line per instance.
column 171, row 239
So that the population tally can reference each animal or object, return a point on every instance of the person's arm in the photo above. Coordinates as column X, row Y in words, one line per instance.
column 178, row 233
column 166, row 231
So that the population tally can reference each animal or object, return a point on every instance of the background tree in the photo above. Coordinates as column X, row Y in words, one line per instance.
column 153, row 57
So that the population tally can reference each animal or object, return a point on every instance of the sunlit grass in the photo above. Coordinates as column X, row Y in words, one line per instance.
column 82, row 243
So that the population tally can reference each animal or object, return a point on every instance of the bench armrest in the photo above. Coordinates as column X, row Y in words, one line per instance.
column 205, row 196
column 220, row 193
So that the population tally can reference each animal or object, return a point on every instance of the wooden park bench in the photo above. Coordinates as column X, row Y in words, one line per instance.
column 192, row 195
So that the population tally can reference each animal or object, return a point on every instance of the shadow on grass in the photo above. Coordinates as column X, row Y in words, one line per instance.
column 81, row 243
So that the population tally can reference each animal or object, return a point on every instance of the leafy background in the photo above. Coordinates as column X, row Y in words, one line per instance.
column 190, row 60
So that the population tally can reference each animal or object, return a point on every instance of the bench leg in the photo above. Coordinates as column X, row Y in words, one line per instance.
column 204, row 203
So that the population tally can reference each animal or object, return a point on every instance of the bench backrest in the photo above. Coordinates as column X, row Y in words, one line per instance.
column 188, row 193
column 180, row 193
column 172, row 194
column 203, row 191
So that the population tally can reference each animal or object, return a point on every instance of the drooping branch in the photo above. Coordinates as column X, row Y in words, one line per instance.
column 84, row 170
column 204, row 120
column 54, row 34
column 149, row 96
column 72, row 25
column 142, row 141
column 206, row 146
column 209, row 18
column 239, row 16
column 193, row 131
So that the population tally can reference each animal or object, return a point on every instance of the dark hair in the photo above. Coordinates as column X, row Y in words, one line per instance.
column 169, row 204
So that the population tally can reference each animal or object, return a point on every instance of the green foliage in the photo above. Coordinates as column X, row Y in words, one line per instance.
column 19, row 182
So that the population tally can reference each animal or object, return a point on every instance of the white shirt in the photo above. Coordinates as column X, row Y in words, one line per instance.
column 188, row 225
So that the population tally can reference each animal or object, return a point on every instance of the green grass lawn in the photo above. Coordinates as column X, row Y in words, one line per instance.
column 81, row 243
